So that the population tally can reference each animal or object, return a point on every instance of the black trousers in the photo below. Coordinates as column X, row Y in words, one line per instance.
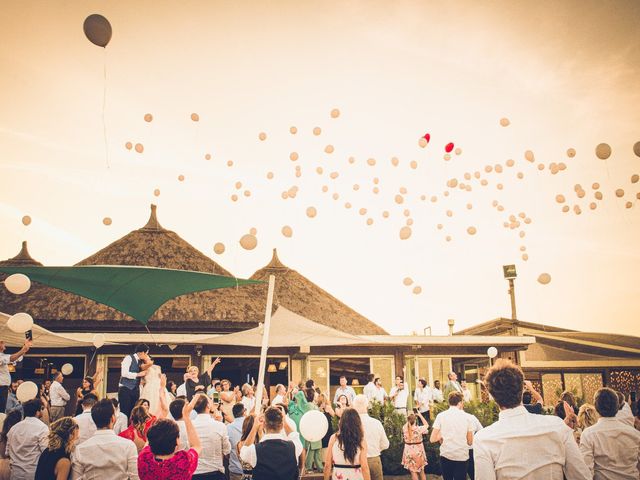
column 209, row 476
column 4, row 393
column 127, row 399
column 471, row 466
column 452, row 469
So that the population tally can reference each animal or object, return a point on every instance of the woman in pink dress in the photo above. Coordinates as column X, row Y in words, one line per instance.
column 414, row 458
column 163, row 459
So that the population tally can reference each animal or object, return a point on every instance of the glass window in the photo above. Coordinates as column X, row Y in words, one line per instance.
column 383, row 367
column 551, row 388
column 355, row 369
column 583, row 385
column 319, row 372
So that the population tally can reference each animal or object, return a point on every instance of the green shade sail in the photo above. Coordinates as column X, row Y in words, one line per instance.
column 136, row 291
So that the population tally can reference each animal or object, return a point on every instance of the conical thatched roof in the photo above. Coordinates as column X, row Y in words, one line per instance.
column 228, row 309
column 23, row 259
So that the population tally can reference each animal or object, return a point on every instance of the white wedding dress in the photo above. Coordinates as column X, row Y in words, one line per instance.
column 151, row 389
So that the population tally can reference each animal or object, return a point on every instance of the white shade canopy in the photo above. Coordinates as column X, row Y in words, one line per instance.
column 42, row 338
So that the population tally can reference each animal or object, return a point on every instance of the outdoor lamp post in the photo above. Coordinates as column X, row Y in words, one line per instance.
column 510, row 274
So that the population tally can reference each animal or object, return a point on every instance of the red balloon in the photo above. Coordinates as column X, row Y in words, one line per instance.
column 427, row 137
column 448, row 147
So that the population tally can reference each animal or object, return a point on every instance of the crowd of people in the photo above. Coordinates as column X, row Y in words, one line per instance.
column 207, row 428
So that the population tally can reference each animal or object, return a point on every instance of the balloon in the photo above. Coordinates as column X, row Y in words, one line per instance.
column 317, row 131
column 328, row 149
column 523, row 248
column 325, row 189
column 595, row 186
column 248, row 242
column 311, row 212
column 488, row 169
column 504, row 122
column 20, row 322
column 293, row 130
column 439, row 226
column 139, row 148
column 484, row 182
column 427, row 137
column 571, row 153
column 371, row 162
column 553, row 168
column 270, row 175
column 529, row 156
column 577, row 209
column 593, row 205
column 628, row 205
column 399, row 199
column 293, row 156
column 446, row 157
column 313, row 425
column 453, row 183
column 565, row 209
column 407, row 281
column 148, row 117
column 335, row 113
column 181, row 178
column 253, row 231
column 156, row 192
column 603, row 151
column 287, row 231
column 405, row 233
column 544, row 278
column 394, row 161
column 362, row 211
column 335, row 196
column 207, row 156
column 195, row 117
column 26, row 220
column 449, row 213
column 28, row 391
column 498, row 168
column 319, row 170
column 17, row 283
column 598, row 195
column 352, row 160
column 107, row 221
column 262, row 136
column 520, row 175
column 385, row 214
column 417, row 290
column 97, row 29
column 334, row 175
column 448, row 147
column 219, row 248
column 413, row 164
column 457, row 151
column 433, row 199
column 499, row 186
column 560, row 198
column 347, row 205
column 562, row 166
column 66, row 369
column 99, row 340
column 619, row 193
column 234, row 197
column 128, row 145
column 471, row 230
column 448, row 238
column 422, row 142
column 510, row 163
column 492, row 352
column 238, row 185
column 636, row 148
column 634, row 178
column 541, row 166
column 369, row 221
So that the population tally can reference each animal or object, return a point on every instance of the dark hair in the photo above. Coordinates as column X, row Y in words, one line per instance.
column 400, row 377
column 569, row 398
column 375, row 380
column 247, row 425
column 505, row 382
column 163, row 437
column 141, row 348
column 371, row 377
column 342, row 376
column 284, row 407
column 350, row 434
column 89, row 400
column 559, row 410
column 620, row 399
column 345, row 397
column 202, row 403
column 606, row 401
column 526, row 397
column 238, row 410
column 309, row 383
column 115, row 402
column 309, row 394
column 175, row 408
column 13, row 417
column 423, row 382
column 455, row 398
column 31, row 407
column 138, row 418
column 170, row 384
column 102, row 412
column 90, row 380
column 273, row 419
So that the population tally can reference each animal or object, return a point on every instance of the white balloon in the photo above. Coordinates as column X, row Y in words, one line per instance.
column 17, row 283
column 492, row 352
column 20, row 322
column 27, row 391
column 66, row 369
column 98, row 340
column 313, row 425
column 545, row 278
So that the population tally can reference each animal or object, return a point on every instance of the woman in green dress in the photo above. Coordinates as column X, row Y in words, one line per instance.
column 303, row 402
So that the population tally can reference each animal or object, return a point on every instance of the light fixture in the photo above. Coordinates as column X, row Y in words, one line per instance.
column 355, row 382
column 11, row 367
column 272, row 368
column 509, row 271
column 282, row 365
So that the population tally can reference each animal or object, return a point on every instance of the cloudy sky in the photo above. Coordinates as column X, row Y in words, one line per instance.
column 565, row 75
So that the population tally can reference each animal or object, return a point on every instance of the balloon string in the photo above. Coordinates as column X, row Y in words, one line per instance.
column 152, row 337
column 104, row 104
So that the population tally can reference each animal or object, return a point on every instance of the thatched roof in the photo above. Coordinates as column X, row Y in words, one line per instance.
column 23, row 259
column 224, row 310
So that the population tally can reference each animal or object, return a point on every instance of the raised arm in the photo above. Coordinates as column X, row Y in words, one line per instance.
column 25, row 348
column 213, row 365
column 536, row 396
column 164, row 408
column 192, row 435
column 97, row 378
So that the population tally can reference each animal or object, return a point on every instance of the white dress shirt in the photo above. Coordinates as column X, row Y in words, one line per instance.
column 5, row 376
column 122, row 422
column 292, row 425
column 436, row 394
column 125, row 365
column 248, row 452
column 374, row 434
column 215, row 443
column 611, row 450
column 529, row 447
column 454, row 425
column 58, row 395
column 181, row 391
column 370, row 391
column 105, row 455
column 400, row 400
column 476, row 426
column 625, row 415
column 466, row 393
column 86, row 426
column 249, row 403
column 348, row 391
column 25, row 442
column 423, row 399
column 380, row 394
column 184, row 438
column 277, row 399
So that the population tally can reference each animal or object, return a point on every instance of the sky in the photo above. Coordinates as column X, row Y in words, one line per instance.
column 564, row 74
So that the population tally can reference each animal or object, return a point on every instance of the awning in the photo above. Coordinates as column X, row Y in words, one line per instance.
column 42, row 338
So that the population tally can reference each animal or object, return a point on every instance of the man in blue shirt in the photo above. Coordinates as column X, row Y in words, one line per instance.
column 235, row 433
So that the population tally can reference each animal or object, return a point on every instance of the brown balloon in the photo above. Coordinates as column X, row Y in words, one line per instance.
column 148, row 117
column 262, row 136
column 195, row 117
column 405, row 232
column 287, row 231
column 139, row 148
column 335, row 113
column 619, row 193
column 472, row 230
column 26, row 220
column 571, row 153
column 417, row 290
column 248, row 242
column 317, row 131
column 106, row 221
column 504, row 122
column 219, row 248
column 293, row 156
column 371, row 162
column 293, row 130
column 97, row 29
column 311, row 212
column 328, row 149
column 156, row 192
column 181, row 178
column 207, row 156
column 128, row 145
column 636, row 149
column 603, row 151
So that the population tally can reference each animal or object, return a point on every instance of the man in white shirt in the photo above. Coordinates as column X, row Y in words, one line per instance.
column 476, row 426
column 86, row 425
column 281, row 395
column 344, row 389
column 276, row 456
column 625, row 415
column 436, row 393
column 399, row 396
column 175, row 409
column 380, row 393
column 423, row 398
column 215, row 442
column 370, row 388
column 453, row 429
column 26, row 441
column 248, row 398
column 122, row 422
column 58, row 397
column 611, row 449
column 132, row 368
column 234, row 429
column 104, row 455
column 521, row 444
column 375, row 436
column 466, row 393
column 5, row 377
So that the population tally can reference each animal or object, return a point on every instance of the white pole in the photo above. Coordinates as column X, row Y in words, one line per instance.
column 265, row 345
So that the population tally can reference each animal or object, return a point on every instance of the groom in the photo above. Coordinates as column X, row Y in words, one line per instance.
column 132, row 369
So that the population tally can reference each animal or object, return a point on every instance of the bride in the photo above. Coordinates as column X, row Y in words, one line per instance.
column 151, row 389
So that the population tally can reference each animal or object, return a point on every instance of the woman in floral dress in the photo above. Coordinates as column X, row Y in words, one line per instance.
column 414, row 458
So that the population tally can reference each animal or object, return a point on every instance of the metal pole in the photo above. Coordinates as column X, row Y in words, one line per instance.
column 512, row 294
column 265, row 345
